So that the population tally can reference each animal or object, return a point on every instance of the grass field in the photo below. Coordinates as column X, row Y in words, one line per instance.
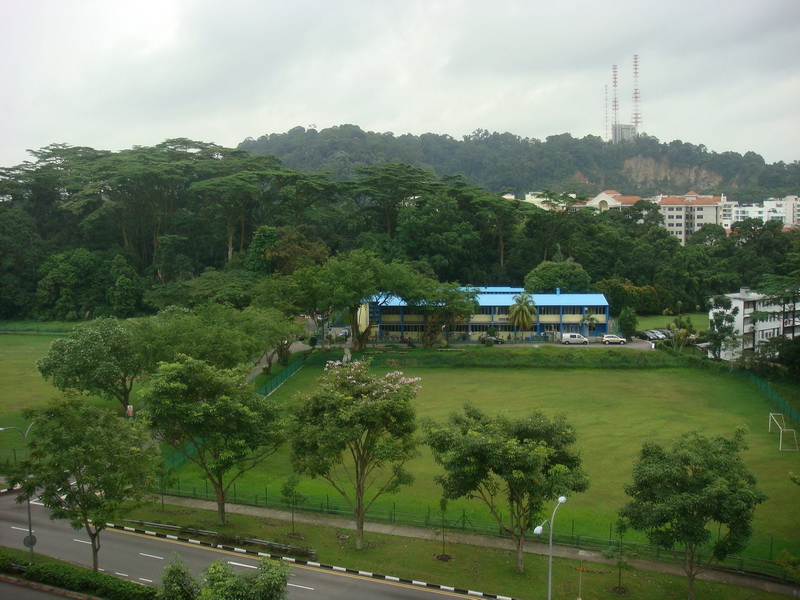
column 699, row 320
column 613, row 412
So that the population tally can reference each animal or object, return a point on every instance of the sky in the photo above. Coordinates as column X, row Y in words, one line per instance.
column 113, row 74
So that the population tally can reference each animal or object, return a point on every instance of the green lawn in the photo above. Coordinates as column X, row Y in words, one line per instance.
column 613, row 412
column 483, row 569
column 699, row 320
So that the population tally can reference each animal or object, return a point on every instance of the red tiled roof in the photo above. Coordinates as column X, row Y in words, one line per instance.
column 681, row 200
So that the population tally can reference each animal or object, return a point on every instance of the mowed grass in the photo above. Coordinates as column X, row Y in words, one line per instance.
column 613, row 412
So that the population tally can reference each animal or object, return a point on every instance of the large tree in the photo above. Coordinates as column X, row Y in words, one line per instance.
column 441, row 305
column 695, row 497
column 512, row 465
column 550, row 277
column 356, row 431
column 87, row 465
column 212, row 417
column 104, row 357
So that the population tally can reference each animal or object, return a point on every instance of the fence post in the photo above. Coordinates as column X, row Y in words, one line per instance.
column 234, row 491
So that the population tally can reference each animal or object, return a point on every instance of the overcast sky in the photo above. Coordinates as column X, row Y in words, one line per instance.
column 112, row 74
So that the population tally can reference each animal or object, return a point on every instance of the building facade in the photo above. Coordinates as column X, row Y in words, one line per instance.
column 760, row 318
column 555, row 314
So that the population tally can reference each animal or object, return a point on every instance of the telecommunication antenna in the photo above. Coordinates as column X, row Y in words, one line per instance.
column 614, row 104
column 605, row 128
column 636, row 117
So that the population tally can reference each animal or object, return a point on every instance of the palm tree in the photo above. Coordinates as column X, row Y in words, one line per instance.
column 589, row 322
column 521, row 313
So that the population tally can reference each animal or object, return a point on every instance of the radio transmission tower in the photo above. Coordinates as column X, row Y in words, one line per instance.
column 636, row 117
column 614, row 106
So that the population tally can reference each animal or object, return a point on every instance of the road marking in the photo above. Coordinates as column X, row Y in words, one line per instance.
column 25, row 529
column 151, row 556
column 81, row 541
column 121, row 574
column 145, row 580
column 235, row 564
column 302, row 587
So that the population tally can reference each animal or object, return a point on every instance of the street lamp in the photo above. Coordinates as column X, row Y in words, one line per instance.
column 538, row 531
column 30, row 540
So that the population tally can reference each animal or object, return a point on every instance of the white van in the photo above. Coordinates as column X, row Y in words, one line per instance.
column 573, row 338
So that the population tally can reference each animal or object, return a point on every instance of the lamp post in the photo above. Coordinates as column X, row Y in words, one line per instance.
column 538, row 531
column 30, row 539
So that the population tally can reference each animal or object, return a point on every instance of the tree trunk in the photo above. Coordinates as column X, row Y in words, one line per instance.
column 94, row 538
column 220, row 497
column 520, row 543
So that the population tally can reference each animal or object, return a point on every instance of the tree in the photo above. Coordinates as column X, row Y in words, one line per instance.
column 221, row 582
column 87, row 465
column 356, row 431
column 699, row 494
column 550, row 277
column 177, row 582
column 722, row 334
column 104, row 357
column 627, row 322
column 440, row 306
column 525, row 462
column 521, row 314
column 212, row 417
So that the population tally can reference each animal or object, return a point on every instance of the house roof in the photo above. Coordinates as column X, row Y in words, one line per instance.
column 681, row 200
column 504, row 296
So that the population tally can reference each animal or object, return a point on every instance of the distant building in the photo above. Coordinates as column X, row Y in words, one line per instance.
column 612, row 200
column 683, row 215
column 555, row 314
column 777, row 317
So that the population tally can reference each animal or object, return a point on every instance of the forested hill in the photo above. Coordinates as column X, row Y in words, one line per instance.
column 503, row 162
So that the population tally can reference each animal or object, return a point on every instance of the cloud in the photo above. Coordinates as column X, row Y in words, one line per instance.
column 113, row 75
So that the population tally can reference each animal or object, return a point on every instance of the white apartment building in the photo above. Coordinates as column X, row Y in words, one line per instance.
column 683, row 215
column 776, row 317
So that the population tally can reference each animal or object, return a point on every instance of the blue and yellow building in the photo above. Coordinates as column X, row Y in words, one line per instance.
column 555, row 314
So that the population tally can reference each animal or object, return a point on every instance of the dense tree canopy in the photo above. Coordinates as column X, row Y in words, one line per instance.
column 513, row 466
column 696, row 497
column 87, row 233
column 87, row 465
column 356, row 431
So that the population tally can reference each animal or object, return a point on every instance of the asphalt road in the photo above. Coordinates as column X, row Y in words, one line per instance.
column 142, row 559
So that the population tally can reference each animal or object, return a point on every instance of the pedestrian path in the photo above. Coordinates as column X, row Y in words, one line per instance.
column 531, row 546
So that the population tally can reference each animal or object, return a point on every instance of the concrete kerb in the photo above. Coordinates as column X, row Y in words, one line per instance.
column 531, row 547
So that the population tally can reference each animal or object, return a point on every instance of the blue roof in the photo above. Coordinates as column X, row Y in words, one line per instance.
column 504, row 296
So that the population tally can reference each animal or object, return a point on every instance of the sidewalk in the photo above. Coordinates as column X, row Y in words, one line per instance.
column 532, row 547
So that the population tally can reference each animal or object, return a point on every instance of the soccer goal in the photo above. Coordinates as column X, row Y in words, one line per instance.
column 777, row 420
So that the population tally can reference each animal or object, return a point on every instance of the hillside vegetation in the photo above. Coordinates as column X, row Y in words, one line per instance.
column 504, row 162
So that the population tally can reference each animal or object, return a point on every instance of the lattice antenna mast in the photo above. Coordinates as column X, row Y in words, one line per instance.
column 614, row 104
column 605, row 128
column 636, row 117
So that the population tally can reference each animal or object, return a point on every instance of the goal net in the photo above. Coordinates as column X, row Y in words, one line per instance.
column 788, row 437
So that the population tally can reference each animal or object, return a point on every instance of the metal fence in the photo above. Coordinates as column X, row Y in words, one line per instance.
column 455, row 521
column 280, row 378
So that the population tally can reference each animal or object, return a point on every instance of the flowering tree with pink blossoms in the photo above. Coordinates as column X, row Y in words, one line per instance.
column 356, row 431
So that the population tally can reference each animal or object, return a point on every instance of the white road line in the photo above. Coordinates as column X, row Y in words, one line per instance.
column 81, row 541
column 145, row 580
column 235, row 564
column 302, row 587
column 25, row 529
column 151, row 556
column 121, row 574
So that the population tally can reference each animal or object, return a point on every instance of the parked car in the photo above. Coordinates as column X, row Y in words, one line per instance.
column 610, row 338
column 573, row 338
column 657, row 334
column 647, row 335
column 492, row 338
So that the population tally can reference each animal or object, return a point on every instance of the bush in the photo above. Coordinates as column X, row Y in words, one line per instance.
column 79, row 579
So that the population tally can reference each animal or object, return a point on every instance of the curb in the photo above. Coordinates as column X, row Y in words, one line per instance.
column 309, row 563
